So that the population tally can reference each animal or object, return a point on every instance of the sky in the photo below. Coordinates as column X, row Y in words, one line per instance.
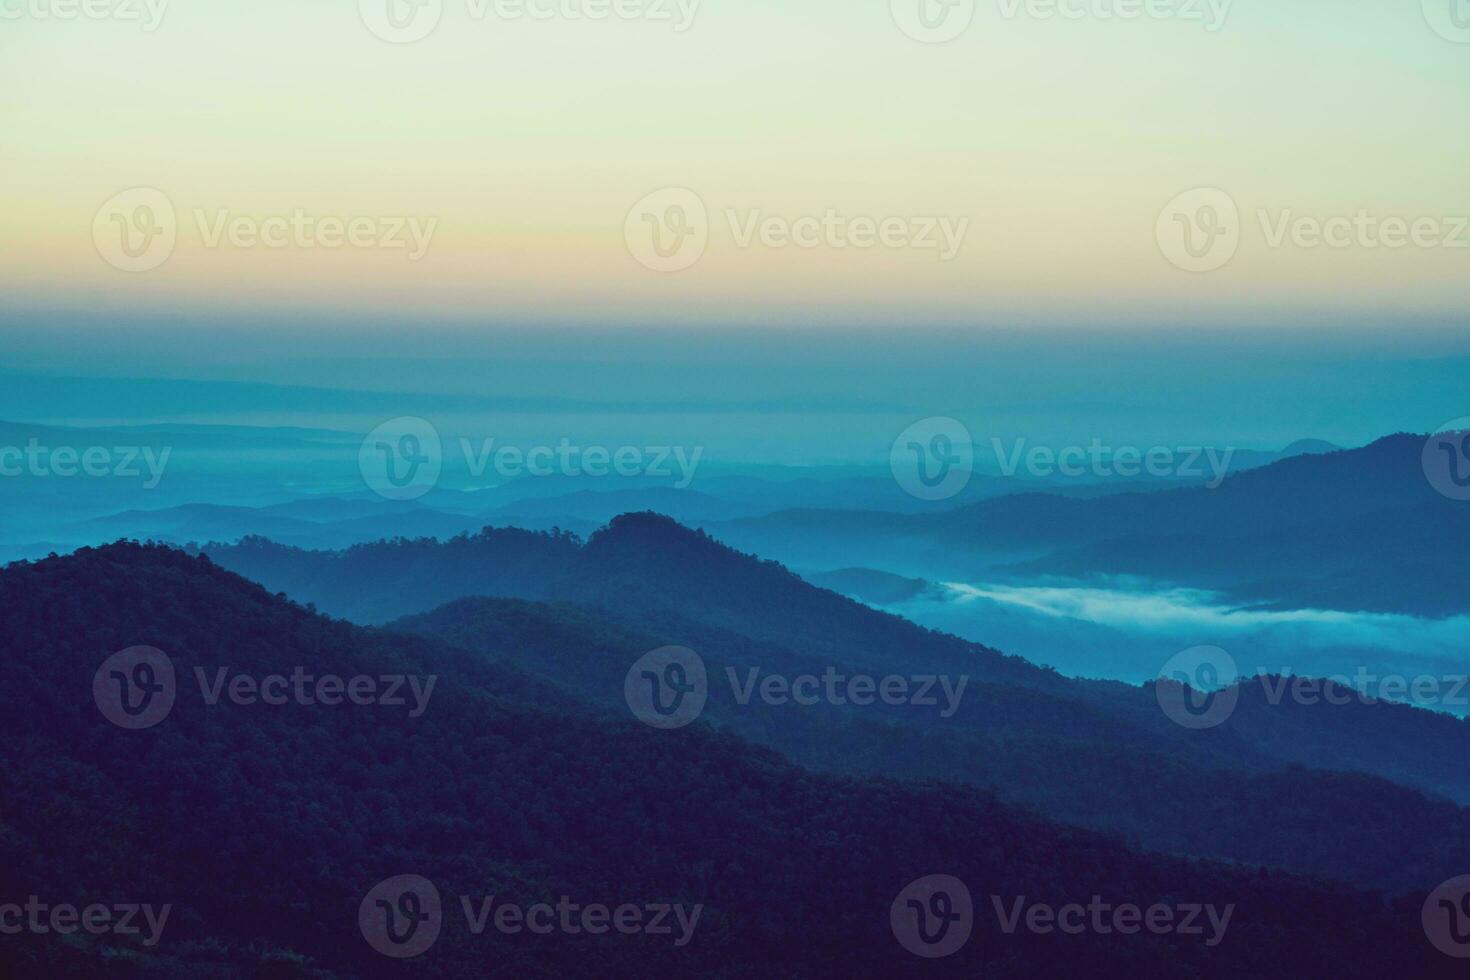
column 1033, row 169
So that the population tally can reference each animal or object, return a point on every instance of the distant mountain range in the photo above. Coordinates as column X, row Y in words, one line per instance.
column 1358, row 529
column 226, row 482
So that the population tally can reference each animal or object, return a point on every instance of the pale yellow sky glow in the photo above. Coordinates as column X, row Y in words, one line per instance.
column 517, row 148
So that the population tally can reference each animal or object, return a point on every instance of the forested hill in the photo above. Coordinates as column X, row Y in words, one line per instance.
column 264, row 826
column 1233, row 794
column 638, row 562
column 647, row 572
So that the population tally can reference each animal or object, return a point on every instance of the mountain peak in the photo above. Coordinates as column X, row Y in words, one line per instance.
column 644, row 522
column 647, row 531
column 1310, row 447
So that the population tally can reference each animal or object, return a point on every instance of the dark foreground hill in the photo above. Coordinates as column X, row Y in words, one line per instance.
column 1075, row 759
column 265, row 826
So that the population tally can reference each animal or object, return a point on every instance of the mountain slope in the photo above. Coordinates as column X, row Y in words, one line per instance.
column 1071, row 760
column 643, row 570
column 265, row 826
column 638, row 563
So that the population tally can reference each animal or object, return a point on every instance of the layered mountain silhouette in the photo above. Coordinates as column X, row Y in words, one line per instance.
column 1094, row 753
column 265, row 826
